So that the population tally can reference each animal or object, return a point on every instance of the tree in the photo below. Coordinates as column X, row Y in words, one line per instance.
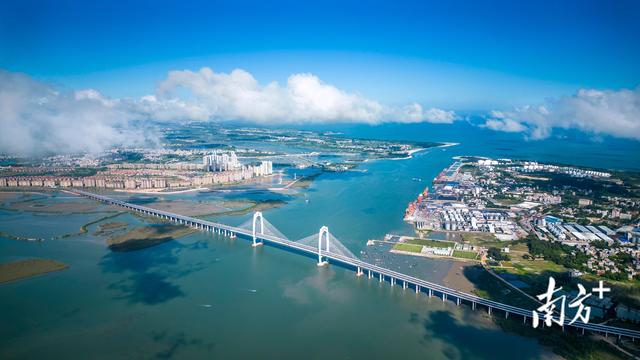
column 497, row 255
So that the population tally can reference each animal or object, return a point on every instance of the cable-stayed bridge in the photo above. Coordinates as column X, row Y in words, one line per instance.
column 329, row 249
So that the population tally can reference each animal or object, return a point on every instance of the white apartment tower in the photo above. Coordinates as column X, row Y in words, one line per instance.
column 219, row 161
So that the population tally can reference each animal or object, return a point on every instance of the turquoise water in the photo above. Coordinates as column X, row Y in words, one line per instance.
column 206, row 296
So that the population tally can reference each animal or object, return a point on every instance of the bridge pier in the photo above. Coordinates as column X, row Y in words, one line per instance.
column 380, row 276
column 430, row 292
column 417, row 289
column 444, row 297
column 370, row 275
column 359, row 272
column 473, row 305
column 489, row 310
column 458, row 301
column 404, row 285
column 506, row 315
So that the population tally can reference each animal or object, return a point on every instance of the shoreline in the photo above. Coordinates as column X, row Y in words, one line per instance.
column 456, row 279
column 160, row 191
column 417, row 150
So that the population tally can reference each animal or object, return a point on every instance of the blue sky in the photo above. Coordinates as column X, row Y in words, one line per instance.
column 89, row 74
column 456, row 54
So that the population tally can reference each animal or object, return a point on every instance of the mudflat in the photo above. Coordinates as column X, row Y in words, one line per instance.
column 147, row 236
column 457, row 279
column 24, row 269
column 60, row 207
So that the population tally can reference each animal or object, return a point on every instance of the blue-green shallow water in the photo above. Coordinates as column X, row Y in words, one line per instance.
column 209, row 297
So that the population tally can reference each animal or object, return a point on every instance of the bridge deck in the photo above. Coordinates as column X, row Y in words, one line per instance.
column 420, row 284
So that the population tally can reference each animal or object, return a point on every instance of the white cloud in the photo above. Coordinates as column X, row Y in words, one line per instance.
column 615, row 113
column 35, row 119
column 499, row 121
column 206, row 95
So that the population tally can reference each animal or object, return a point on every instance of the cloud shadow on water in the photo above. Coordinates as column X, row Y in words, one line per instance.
column 464, row 341
column 147, row 288
column 175, row 343
column 150, row 273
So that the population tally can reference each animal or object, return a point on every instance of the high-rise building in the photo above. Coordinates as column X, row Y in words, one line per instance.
column 221, row 161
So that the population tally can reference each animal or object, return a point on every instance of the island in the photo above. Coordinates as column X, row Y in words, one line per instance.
column 147, row 236
column 23, row 269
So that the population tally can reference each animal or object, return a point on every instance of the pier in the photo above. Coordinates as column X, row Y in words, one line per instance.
column 329, row 249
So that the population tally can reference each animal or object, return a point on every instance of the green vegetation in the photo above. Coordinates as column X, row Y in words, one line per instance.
column 525, row 265
column 570, row 345
column 507, row 200
column 601, row 244
column 407, row 247
column 569, row 257
column 81, row 172
column 110, row 228
column 560, row 254
column 480, row 238
column 488, row 287
column 255, row 206
column 85, row 227
column 595, row 187
column 497, row 255
column 464, row 254
column 431, row 243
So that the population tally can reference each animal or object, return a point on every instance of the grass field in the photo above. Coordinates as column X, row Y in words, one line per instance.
column 408, row 247
column 523, row 266
column 484, row 239
column 507, row 200
column 464, row 254
column 431, row 243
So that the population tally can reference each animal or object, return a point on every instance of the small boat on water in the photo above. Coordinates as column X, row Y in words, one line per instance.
column 417, row 179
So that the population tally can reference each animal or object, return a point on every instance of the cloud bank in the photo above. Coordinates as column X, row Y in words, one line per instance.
column 35, row 119
column 206, row 95
column 615, row 113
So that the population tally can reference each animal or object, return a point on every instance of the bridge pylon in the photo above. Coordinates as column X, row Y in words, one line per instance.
column 257, row 215
column 324, row 232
